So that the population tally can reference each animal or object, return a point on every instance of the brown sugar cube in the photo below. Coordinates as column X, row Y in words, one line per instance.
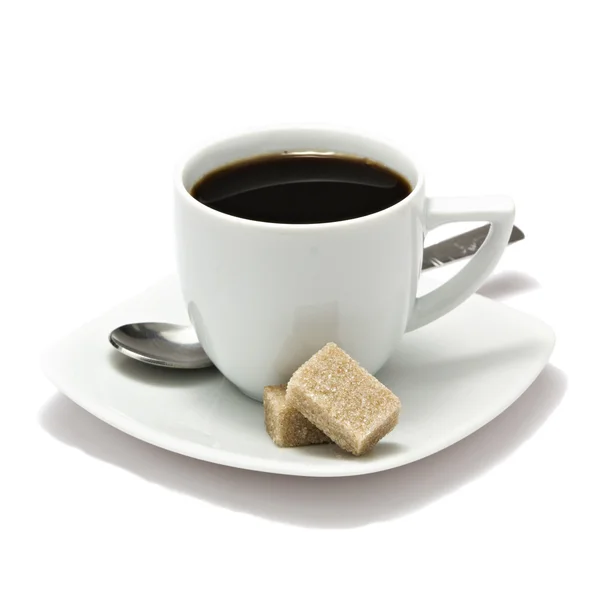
column 286, row 426
column 343, row 400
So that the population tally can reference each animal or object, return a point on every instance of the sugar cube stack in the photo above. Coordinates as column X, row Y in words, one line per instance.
column 286, row 426
column 343, row 400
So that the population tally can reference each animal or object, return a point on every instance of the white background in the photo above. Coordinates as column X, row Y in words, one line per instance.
column 99, row 99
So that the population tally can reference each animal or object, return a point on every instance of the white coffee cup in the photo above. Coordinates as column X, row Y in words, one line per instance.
column 263, row 297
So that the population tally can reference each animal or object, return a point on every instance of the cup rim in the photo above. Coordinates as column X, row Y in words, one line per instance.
column 403, row 204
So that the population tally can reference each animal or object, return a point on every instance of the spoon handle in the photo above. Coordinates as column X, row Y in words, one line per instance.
column 461, row 246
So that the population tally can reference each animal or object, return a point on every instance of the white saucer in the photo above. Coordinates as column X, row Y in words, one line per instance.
column 452, row 376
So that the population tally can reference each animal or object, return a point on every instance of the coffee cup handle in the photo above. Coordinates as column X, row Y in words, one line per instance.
column 499, row 211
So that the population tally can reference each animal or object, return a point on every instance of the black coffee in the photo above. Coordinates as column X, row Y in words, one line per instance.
column 301, row 188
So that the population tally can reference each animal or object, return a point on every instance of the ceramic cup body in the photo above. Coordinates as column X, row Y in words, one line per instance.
column 264, row 297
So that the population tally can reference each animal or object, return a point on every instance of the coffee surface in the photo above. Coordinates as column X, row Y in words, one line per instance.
column 301, row 188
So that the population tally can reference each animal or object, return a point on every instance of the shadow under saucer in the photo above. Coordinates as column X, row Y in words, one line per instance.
column 315, row 502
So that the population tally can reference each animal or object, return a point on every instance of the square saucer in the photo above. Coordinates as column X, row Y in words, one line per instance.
column 452, row 376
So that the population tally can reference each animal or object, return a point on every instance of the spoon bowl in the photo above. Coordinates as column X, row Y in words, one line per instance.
column 161, row 344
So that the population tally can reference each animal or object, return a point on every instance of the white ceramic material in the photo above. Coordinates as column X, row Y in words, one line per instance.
column 264, row 297
column 453, row 376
